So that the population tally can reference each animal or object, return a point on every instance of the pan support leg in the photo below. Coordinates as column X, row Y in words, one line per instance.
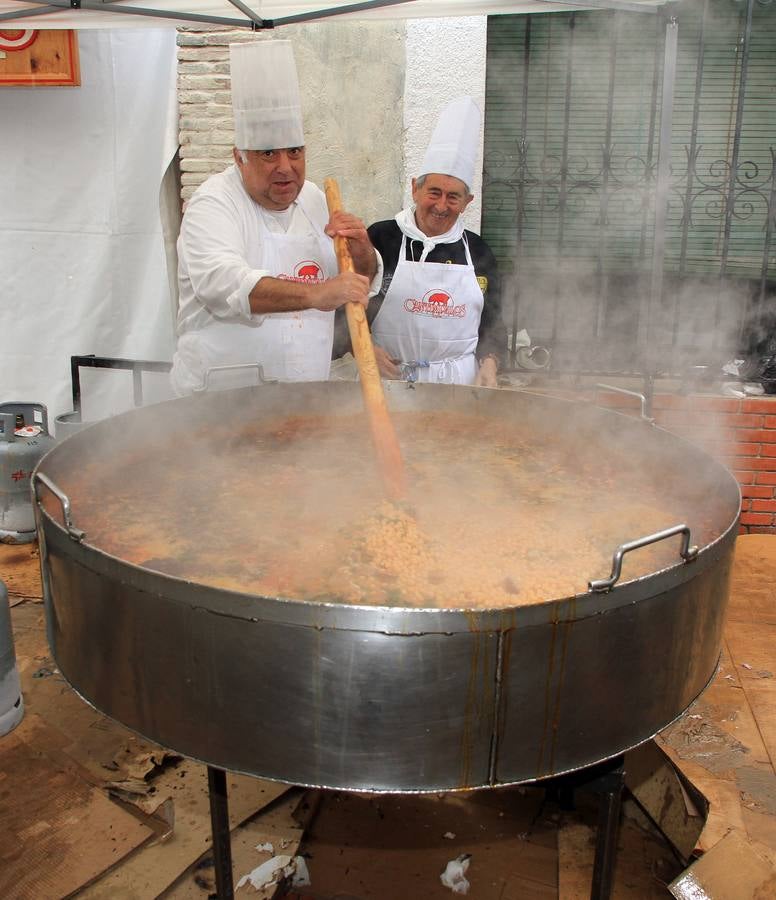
column 607, row 780
column 609, row 786
column 222, row 841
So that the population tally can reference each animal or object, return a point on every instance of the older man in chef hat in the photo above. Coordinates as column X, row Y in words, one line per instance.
column 437, row 317
column 257, row 270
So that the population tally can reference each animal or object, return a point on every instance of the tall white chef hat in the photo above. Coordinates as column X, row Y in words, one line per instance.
column 265, row 96
column 455, row 142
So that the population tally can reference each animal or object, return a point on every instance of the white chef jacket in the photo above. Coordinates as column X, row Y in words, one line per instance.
column 222, row 229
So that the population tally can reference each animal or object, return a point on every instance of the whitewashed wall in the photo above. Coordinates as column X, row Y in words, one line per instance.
column 445, row 59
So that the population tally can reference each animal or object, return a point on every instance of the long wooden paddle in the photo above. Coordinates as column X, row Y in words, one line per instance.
column 383, row 434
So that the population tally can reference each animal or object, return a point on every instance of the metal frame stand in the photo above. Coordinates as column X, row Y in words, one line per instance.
column 219, row 823
column 606, row 779
column 135, row 366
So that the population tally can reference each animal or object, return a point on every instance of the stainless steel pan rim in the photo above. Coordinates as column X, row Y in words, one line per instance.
column 393, row 620
column 383, row 619
column 446, row 788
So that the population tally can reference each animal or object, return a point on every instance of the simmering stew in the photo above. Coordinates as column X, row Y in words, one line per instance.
column 494, row 516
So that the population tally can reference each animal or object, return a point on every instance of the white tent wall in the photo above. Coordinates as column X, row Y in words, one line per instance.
column 81, row 245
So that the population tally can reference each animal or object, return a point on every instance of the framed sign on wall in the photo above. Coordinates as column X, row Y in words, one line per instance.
column 37, row 58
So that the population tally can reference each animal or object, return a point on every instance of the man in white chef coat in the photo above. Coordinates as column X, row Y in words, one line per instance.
column 257, row 270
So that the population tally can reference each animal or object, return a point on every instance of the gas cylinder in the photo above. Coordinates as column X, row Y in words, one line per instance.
column 11, row 703
column 24, row 439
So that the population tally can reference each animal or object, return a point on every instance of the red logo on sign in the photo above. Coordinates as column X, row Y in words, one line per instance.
column 18, row 475
column 18, row 39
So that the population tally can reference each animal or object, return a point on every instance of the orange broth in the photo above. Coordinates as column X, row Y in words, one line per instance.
column 293, row 507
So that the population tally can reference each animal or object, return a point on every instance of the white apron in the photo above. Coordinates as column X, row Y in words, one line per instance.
column 430, row 319
column 292, row 346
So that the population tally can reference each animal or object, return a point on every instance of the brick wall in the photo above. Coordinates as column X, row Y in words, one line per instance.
column 741, row 434
column 204, row 95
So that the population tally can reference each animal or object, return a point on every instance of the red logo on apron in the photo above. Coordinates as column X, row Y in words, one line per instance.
column 309, row 271
column 435, row 303
column 306, row 271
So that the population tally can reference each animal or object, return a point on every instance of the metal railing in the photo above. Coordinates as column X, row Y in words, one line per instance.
column 647, row 246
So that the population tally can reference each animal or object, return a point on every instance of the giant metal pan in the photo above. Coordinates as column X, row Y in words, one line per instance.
column 386, row 699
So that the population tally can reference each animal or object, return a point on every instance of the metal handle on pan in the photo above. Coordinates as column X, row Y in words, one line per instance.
column 687, row 553
column 259, row 372
column 645, row 405
column 75, row 533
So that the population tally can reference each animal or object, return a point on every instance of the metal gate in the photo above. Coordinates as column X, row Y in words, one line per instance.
column 629, row 186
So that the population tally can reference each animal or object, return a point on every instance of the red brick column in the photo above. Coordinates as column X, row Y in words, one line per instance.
column 741, row 434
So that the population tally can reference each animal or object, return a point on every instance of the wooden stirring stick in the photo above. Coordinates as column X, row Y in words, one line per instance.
column 383, row 434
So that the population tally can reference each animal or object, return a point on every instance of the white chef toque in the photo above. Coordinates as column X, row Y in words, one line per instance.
column 265, row 96
column 455, row 142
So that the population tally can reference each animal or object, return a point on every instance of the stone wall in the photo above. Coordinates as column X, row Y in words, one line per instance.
column 352, row 85
column 371, row 95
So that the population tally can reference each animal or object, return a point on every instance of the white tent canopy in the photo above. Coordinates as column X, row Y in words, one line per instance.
column 260, row 14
